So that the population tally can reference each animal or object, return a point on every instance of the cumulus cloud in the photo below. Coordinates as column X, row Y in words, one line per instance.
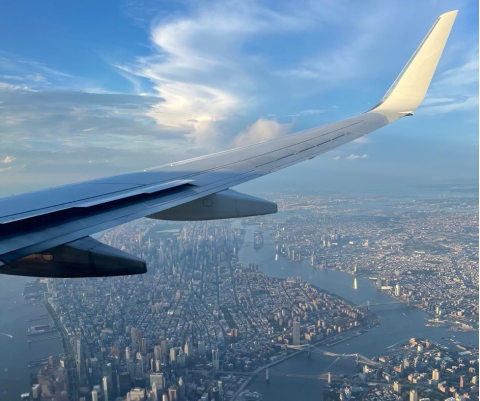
column 8, row 159
column 261, row 130
column 199, row 68
column 354, row 157
column 199, row 64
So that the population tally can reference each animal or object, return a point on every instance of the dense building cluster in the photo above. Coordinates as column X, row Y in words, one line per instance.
column 200, row 324
column 195, row 326
column 424, row 252
column 417, row 370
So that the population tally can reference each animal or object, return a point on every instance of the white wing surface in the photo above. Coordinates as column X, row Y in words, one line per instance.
column 46, row 233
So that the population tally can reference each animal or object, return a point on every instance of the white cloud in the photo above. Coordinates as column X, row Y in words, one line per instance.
column 8, row 159
column 336, row 158
column 201, row 69
column 261, row 130
column 354, row 157
column 305, row 113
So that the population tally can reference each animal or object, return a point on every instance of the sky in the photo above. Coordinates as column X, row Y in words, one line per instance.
column 90, row 89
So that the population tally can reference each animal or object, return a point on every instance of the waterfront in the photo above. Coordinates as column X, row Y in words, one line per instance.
column 15, row 352
column 399, row 323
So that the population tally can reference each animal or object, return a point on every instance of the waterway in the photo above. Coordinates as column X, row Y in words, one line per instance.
column 15, row 352
column 399, row 323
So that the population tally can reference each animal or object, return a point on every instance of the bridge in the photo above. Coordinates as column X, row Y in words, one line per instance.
column 367, row 305
column 358, row 358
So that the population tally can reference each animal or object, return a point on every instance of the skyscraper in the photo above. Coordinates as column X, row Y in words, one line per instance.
column 173, row 393
column 296, row 332
column 436, row 374
column 413, row 395
column 157, row 352
column 397, row 387
column 173, row 356
column 188, row 348
column 142, row 342
column 216, row 358
column 80, row 361
column 397, row 290
column 105, row 388
column 181, row 389
column 157, row 380
column 201, row 349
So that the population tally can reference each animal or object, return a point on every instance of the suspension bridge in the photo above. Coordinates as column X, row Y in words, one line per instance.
column 358, row 358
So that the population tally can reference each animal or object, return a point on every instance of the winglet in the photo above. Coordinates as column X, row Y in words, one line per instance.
column 410, row 87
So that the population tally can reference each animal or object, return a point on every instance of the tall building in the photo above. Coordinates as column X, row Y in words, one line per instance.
column 94, row 395
column 397, row 290
column 355, row 286
column 173, row 393
column 173, row 356
column 216, row 358
column 181, row 389
column 157, row 380
column 462, row 381
column 155, row 393
column 143, row 345
column 188, row 349
column 201, row 349
column 163, row 346
column 81, row 362
column 296, row 332
column 181, row 358
column 125, row 383
column 436, row 374
column 157, row 352
column 413, row 395
column 106, row 396
column 397, row 387
column 220, row 389
column 136, row 394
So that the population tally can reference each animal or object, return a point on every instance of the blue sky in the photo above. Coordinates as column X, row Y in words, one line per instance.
column 91, row 88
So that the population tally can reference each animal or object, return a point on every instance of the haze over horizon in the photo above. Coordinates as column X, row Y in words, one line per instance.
column 90, row 90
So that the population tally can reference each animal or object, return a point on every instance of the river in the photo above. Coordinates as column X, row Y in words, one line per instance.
column 15, row 352
column 399, row 323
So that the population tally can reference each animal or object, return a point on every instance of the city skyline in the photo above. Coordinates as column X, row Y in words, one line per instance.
column 226, row 300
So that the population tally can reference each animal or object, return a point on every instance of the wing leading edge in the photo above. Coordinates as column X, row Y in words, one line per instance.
column 34, row 227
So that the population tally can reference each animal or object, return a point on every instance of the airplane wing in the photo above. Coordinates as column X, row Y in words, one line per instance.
column 47, row 233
